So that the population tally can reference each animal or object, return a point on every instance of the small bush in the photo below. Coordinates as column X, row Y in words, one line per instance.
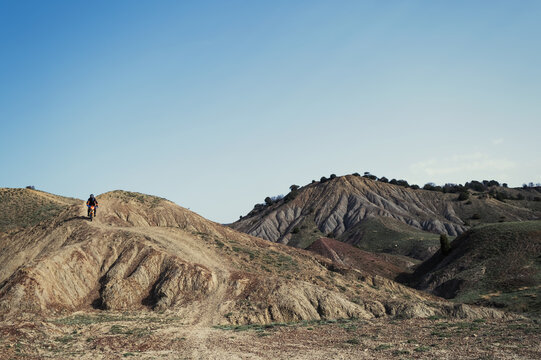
column 293, row 194
column 444, row 244
column 403, row 183
column 422, row 349
column 500, row 195
column 475, row 185
column 333, row 176
column 476, row 216
column 463, row 196
column 370, row 176
column 65, row 339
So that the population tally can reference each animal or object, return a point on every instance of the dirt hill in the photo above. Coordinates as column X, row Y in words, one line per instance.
column 378, row 216
column 20, row 208
column 496, row 265
column 146, row 253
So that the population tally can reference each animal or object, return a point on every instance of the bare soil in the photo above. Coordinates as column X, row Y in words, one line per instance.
column 146, row 335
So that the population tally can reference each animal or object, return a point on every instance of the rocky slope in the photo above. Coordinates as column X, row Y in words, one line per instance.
column 146, row 253
column 342, row 206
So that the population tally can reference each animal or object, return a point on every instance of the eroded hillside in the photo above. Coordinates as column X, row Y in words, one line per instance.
column 375, row 216
column 146, row 253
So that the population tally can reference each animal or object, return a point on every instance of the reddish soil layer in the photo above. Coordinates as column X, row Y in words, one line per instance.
column 348, row 255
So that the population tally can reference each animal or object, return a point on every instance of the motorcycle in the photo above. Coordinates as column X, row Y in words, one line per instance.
column 91, row 211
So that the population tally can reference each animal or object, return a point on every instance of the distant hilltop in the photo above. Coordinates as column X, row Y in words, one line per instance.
column 384, row 215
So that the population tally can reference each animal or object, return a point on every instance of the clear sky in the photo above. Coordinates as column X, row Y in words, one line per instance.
column 217, row 104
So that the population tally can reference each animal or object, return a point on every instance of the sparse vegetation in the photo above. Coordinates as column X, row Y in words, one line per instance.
column 65, row 339
column 422, row 349
column 292, row 194
column 150, row 200
column 22, row 208
column 89, row 319
column 369, row 176
column 499, row 266
column 393, row 237
column 381, row 347
column 345, row 338
column 305, row 233
column 124, row 330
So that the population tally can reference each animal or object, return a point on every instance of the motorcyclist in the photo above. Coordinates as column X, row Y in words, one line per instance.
column 92, row 202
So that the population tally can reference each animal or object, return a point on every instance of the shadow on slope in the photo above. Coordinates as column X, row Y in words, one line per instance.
column 496, row 265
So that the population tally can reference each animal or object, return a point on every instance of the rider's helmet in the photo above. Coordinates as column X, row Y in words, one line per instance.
column 91, row 195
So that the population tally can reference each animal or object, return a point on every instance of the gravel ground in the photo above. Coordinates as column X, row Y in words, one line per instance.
column 163, row 336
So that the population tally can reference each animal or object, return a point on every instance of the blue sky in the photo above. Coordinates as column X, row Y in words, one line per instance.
column 217, row 104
